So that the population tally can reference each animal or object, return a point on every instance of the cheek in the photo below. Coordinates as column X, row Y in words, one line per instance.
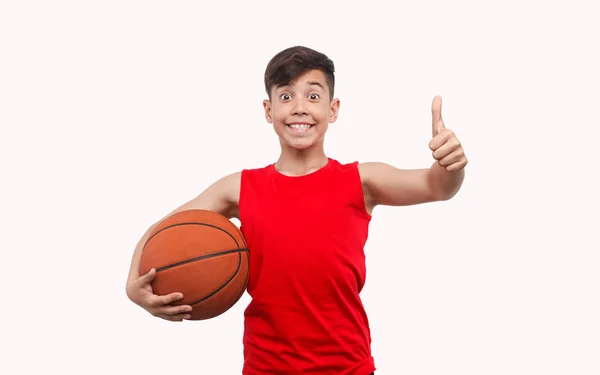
column 326, row 110
column 278, row 116
column 323, row 128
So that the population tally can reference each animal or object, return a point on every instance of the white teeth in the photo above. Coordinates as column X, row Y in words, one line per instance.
column 300, row 126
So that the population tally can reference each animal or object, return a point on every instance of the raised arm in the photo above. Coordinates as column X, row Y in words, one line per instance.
column 384, row 184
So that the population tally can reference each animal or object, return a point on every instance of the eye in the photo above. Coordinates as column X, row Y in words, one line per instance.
column 285, row 96
column 314, row 96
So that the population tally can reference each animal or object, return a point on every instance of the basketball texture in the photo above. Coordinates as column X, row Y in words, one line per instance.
column 202, row 255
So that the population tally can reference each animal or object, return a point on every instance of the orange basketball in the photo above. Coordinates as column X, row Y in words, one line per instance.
column 201, row 254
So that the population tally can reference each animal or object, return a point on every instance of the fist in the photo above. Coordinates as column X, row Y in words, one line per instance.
column 446, row 148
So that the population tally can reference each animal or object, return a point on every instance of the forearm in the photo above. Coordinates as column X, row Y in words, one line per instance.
column 445, row 184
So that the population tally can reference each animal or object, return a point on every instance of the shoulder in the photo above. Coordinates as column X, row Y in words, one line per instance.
column 232, row 180
column 253, row 175
column 370, row 170
column 344, row 167
column 366, row 170
column 221, row 196
column 227, row 187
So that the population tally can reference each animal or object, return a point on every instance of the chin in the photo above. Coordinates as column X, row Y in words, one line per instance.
column 300, row 145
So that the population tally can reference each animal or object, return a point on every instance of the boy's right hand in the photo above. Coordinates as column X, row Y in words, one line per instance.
column 140, row 292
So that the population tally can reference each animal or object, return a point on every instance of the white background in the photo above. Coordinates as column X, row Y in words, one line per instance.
column 114, row 113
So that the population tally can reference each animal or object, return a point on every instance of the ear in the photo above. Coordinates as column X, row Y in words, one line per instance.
column 334, row 108
column 268, row 110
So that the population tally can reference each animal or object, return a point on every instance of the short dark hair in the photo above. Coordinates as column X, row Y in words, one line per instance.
column 292, row 62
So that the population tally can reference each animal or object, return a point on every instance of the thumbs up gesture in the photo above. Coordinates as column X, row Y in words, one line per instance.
column 446, row 148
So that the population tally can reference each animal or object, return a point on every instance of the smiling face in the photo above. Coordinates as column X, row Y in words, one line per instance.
column 302, row 110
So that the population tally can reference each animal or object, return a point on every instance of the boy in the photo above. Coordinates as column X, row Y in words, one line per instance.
column 305, row 219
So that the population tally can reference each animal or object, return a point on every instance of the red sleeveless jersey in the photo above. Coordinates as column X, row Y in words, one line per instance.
column 305, row 236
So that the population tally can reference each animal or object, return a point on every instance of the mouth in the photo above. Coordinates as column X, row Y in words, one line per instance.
column 300, row 127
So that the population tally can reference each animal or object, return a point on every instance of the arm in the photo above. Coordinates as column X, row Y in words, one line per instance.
column 387, row 185
column 222, row 197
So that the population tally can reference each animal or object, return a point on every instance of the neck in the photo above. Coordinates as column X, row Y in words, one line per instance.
column 293, row 162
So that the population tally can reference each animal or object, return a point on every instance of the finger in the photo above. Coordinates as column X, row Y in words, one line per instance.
column 148, row 277
column 454, row 157
column 446, row 149
column 440, row 139
column 436, row 116
column 456, row 166
column 174, row 318
column 173, row 310
column 158, row 301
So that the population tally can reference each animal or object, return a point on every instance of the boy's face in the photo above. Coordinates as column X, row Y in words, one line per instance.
column 301, row 111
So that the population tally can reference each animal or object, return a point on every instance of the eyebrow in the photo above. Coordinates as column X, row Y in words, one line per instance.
column 312, row 83
column 315, row 83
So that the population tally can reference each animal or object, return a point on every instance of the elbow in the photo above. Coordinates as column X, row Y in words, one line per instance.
column 447, row 196
column 446, row 185
column 441, row 194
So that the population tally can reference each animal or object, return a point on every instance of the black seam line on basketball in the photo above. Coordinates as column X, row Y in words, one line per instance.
column 241, row 235
column 246, row 282
column 200, row 258
column 222, row 286
column 193, row 223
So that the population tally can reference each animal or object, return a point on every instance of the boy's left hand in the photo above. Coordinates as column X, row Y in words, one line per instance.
column 446, row 148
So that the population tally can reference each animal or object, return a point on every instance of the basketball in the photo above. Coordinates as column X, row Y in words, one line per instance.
column 202, row 255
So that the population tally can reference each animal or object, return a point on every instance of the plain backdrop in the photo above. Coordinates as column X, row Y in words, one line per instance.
column 114, row 113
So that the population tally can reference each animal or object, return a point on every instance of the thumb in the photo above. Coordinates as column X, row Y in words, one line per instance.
column 436, row 116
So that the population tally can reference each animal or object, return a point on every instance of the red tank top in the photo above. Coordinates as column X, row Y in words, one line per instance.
column 305, row 236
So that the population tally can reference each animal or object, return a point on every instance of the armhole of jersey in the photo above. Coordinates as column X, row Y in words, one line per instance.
column 241, row 202
column 360, row 192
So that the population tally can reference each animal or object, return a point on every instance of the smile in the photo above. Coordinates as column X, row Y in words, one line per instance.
column 300, row 127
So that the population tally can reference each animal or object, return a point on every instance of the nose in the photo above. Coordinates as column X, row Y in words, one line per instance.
column 299, row 108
